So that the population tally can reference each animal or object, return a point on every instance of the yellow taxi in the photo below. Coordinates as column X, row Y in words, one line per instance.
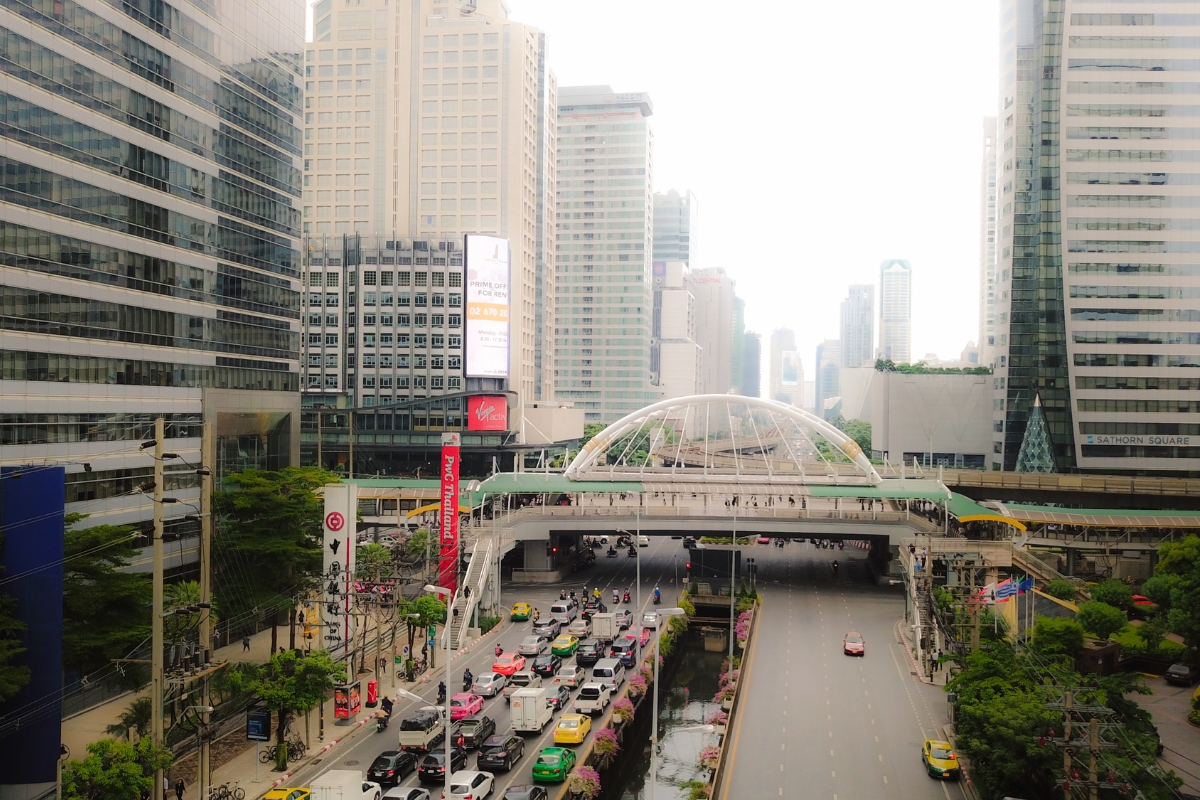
column 572, row 729
column 287, row 793
column 521, row 612
column 939, row 760
column 564, row 645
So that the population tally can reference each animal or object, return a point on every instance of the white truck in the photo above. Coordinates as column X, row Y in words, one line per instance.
column 423, row 729
column 592, row 699
column 344, row 784
column 605, row 627
column 530, row 710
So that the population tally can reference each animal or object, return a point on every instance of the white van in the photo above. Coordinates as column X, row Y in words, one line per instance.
column 610, row 672
column 563, row 612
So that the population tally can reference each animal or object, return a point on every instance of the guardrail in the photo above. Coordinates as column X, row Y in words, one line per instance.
column 1108, row 484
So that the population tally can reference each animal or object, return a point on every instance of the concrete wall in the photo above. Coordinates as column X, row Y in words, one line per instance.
column 923, row 413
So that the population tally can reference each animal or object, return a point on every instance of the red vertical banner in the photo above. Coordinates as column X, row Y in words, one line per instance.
column 448, row 516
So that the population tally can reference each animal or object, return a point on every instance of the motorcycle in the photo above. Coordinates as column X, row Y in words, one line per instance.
column 467, row 678
column 835, row 568
column 612, row 552
column 382, row 724
column 562, row 595
column 657, row 598
column 626, row 596
column 441, row 693
column 632, row 551
column 616, row 598
column 499, row 651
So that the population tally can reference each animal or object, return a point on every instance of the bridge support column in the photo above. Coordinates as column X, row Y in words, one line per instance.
column 1071, row 556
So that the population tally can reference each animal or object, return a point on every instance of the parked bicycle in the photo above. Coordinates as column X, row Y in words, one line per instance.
column 227, row 792
column 295, row 750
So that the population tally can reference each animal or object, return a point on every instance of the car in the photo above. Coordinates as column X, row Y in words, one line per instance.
column 547, row 666
column 580, row 628
column 641, row 634
column 371, row 790
column 526, row 679
column 592, row 608
column 564, row 645
column 464, row 704
column 643, row 541
column 520, row 612
column 508, row 664
column 764, row 540
column 853, row 644
column 470, row 785
column 589, row 652
column 1181, row 674
column 689, row 541
column 288, row 793
column 406, row 793
column 500, row 752
column 624, row 650
column 1142, row 600
column 488, row 684
column 560, row 696
column 433, row 766
column 572, row 729
column 533, row 645
column 475, row 730
column 389, row 768
column 593, row 699
column 623, row 618
column 650, row 620
column 548, row 627
column 525, row 792
column 570, row 676
column 553, row 764
column 939, row 759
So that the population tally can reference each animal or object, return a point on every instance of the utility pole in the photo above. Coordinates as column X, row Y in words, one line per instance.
column 208, row 473
column 351, row 467
column 320, row 416
column 1094, row 747
column 156, row 610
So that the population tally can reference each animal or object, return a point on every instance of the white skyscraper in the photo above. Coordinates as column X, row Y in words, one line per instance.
column 678, row 356
column 603, row 299
column 987, row 244
column 895, row 311
column 858, row 326
column 676, row 223
column 424, row 121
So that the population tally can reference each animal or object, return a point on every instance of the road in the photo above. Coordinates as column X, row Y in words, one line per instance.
column 827, row 725
column 659, row 562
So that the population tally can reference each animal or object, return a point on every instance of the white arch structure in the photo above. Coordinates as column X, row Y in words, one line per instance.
column 763, row 438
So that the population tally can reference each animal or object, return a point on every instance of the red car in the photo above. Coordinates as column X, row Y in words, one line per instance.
column 508, row 663
column 464, row 705
column 853, row 644
column 764, row 540
column 1141, row 600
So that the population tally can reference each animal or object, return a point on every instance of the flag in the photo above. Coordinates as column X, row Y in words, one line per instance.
column 988, row 593
column 1005, row 590
column 1026, row 585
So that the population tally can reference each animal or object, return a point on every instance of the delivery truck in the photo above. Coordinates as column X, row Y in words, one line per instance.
column 530, row 710
column 604, row 627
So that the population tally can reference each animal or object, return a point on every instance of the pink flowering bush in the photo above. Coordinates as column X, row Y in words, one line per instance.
column 637, row 686
column 623, row 709
column 647, row 673
column 584, row 783
column 724, row 693
column 742, row 628
column 708, row 756
column 728, row 677
column 717, row 718
column 605, row 744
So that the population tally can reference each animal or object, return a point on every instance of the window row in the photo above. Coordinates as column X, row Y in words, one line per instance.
column 453, row 341
column 1136, row 337
column 387, row 361
column 1149, row 292
column 1135, row 360
column 417, row 382
column 64, row 428
column 17, row 365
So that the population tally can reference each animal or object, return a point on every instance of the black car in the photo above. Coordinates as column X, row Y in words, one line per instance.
column 589, row 652
column 526, row 792
column 475, row 730
column 391, row 766
column 548, row 628
column 500, row 752
column 1181, row 674
column 625, row 651
column 561, row 697
column 593, row 607
column 547, row 666
column 433, row 767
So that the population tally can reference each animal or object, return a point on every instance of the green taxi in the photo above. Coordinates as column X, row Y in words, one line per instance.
column 564, row 645
column 553, row 764
column 521, row 612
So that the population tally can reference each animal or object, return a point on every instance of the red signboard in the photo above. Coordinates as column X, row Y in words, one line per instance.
column 487, row 413
column 448, row 516
column 347, row 700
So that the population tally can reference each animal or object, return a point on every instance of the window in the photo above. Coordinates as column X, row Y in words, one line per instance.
column 331, row 339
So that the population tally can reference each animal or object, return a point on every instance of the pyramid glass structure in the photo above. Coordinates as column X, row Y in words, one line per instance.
column 1037, row 451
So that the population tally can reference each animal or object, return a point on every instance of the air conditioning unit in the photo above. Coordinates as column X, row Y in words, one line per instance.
column 403, row 244
column 654, row 378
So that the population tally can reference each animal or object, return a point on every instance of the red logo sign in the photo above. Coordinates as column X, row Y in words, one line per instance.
column 448, row 573
column 334, row 521
column 487, row 413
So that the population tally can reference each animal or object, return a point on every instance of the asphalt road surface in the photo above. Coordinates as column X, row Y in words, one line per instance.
column 661, row 563
column 825, row 725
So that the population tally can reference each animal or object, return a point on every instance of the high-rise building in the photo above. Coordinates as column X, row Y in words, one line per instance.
column 987, row 244
column 785, row 371
column 828, row 371
column 603, row 297
column 858, row 326
column 676, row 357
column 895, row 311
column 715, row 300
column 417, row 132
column 751, row 385
column 1098, row 279
column 151, row 240
column 737, row 348
column 676, row 224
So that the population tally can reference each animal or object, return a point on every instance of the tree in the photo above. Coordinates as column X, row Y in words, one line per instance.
column 1057, row 636
column 1179, row 570
column 1062, row 589
column 1158, row 588
column 114, row 770
column 860, row 432
column 12, row 676
column 415, row 546
column 270, row 537
column 1101, row 619
column 105, row 609
column 1113, row 592
column 373, row 561
column 1152, row 632
column 289, row 685
column 430, row 608
column 135, row 719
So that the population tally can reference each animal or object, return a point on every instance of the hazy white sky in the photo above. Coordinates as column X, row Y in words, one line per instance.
column 820, row 137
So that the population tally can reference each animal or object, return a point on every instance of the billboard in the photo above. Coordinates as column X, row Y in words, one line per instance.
column 487, row 295
column 487, row 413
column 338, row 545
column 789, row 368
column 448, row 516
column 347, row 700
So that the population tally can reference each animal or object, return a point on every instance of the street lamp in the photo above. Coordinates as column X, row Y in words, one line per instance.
column 441, row 590
column 666, row 612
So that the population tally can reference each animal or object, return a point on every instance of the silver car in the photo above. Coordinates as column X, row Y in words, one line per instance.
column 580, row 628
column 533, row 646
column 488, row 684
column 623, row 617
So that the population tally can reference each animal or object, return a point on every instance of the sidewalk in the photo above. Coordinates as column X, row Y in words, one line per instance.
column 904, row 637
column 1181, row 741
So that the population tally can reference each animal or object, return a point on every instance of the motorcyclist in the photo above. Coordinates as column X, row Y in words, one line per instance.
column 616, row 597
column 626, row 597
column 835, row 567
column 386, row 704
column 441, row 692
column 657, row 594
column 536, row 616
column 499, row 651
column 562, row 594
column 596, row 593
column 468, row 678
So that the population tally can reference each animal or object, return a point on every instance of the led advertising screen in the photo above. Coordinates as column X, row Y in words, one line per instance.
column 487, row 289
column 789, row 369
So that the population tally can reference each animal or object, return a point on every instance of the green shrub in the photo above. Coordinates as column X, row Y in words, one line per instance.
column 1101, row 619
column 1062, row 589
column 486, row 623
column 1113, row 592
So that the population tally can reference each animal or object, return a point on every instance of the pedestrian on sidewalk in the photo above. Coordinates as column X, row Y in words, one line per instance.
column 180, row 787
column 245, row 643
column 166, row 785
